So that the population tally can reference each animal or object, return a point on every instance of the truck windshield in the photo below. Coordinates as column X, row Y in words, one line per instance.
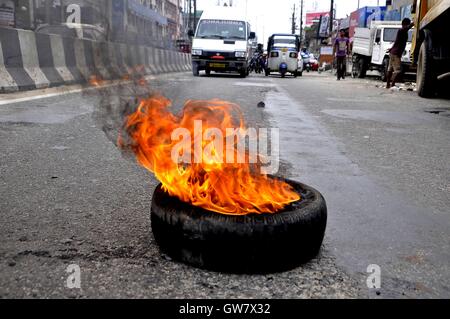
column 221, row 29
column 390, row 34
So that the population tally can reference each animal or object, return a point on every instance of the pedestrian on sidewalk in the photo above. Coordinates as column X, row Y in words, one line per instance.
column 341, row 50
column 396, row 52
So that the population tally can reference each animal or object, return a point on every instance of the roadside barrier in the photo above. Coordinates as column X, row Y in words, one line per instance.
column 30, row 60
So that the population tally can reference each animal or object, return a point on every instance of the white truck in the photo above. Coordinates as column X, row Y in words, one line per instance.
column 370, row 46
column 223, row 42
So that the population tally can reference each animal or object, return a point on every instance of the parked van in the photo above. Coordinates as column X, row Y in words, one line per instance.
column 370, row 46
column 222, row 42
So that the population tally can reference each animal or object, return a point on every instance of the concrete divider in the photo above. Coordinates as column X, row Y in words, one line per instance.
column 12, row 62
column 7, row 82
column 46, row 60
column 71, row 59
column 31, row 60
column 101, row 60
column 60, row 60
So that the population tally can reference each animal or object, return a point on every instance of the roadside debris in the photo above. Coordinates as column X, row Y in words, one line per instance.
column 407, row 86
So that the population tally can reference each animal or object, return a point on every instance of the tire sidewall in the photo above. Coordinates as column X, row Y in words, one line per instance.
column 425, row 72
column 248, row 244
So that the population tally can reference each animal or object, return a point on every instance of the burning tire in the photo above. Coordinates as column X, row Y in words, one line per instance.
column 240, row 244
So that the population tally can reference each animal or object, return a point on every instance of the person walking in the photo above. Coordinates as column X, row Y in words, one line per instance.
column 341, row 50
column 396, row 52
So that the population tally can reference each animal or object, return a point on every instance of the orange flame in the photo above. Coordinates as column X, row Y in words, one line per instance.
column 231, row 189
column 96, row 80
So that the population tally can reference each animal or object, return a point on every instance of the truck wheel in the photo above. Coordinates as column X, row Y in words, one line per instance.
column 243, row 73
column 362, row 71
column 195, row 70
column 384, row 69
column 426, row 77
column 355, row 66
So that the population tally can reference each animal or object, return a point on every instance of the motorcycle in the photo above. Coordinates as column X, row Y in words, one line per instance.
column 257, row 64
column 308, row 67
column 306, row 61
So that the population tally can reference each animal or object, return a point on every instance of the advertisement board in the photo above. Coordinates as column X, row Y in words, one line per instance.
column 324, row 26
column 314, row 17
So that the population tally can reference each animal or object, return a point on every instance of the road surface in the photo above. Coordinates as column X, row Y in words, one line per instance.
column 68, row 195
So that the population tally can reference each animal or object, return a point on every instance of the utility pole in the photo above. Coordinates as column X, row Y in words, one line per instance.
column 294, row 24
column 301, row 21
column 331, row 17
column 195, row 15
column 189, row 8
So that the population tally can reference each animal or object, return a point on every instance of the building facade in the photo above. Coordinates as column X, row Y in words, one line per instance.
column 399, row 9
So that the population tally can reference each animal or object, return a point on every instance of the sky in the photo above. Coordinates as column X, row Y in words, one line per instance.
column 274, row 16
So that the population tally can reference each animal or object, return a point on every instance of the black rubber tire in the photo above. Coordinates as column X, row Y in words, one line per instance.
column 362, row 70
column 249, row 244
column 359, row 69
column 355, row 64
column 426, row 76
column 208, row 72
column 195, row 70
column 384, row 69
column 243, row 73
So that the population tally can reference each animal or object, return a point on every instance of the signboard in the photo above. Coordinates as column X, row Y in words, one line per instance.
column 314, row 17
column 7, row 13
column 326, row 50
column 324, row 27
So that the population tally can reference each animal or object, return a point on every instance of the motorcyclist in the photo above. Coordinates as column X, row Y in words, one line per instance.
column 306, row 59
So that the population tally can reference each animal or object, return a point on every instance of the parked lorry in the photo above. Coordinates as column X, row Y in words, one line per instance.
column 431, row 44
column 371, row 45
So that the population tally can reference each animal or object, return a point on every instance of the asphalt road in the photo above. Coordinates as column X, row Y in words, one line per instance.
column 68, row 195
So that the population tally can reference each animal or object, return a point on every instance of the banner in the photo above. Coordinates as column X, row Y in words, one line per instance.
column 314, row 17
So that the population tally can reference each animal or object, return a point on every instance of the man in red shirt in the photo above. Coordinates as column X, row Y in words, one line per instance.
column 396, row 52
